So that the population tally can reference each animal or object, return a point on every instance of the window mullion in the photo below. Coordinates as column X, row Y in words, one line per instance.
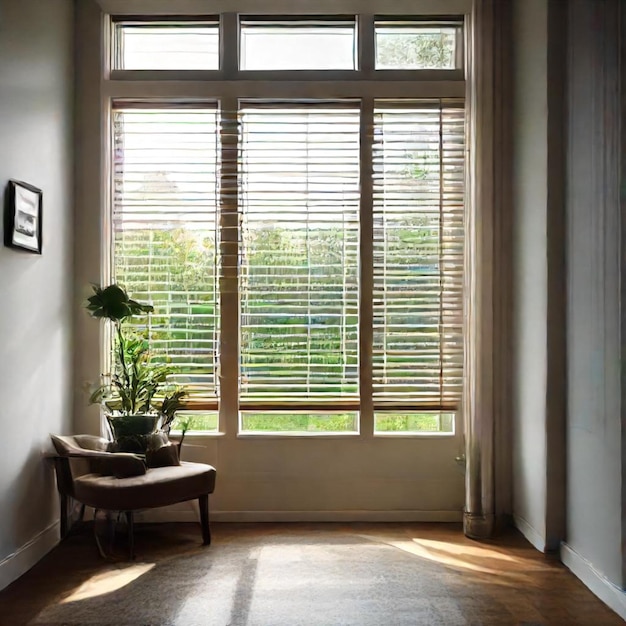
column 229, row 255
column 366, row 245
column 229, row 46
column 366, row 45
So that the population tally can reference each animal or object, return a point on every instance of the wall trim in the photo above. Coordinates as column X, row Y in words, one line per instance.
column 20, row 561
column 283, row 7
column 186, row 515
column 599, row 584
column 530, row 533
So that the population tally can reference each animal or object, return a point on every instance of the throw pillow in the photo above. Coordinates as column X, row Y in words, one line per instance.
column 163, row 455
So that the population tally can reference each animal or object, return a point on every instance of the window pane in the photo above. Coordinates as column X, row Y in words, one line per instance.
column 166, row 46
column 164, row 229
column 299, row 256
column 418, row 258
column 405, row 422
column 297, row 46
column 415, row 47
column 199, row 421
column 290, row 421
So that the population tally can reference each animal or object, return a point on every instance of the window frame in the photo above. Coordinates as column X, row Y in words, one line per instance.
column 229, row 84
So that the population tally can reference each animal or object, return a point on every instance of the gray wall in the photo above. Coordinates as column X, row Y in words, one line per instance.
column 36, row 103
column 530, row 192
column 567, row 450
column 538, row 411
column 593, row 230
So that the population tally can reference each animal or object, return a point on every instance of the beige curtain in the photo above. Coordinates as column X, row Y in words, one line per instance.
column 487, row 485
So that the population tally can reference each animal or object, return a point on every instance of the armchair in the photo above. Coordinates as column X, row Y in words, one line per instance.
column 116, row 481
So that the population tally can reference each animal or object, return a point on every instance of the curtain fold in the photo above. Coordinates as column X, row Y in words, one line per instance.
column 484, row 398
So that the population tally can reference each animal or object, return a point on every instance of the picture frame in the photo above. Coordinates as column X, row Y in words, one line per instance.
column 23, row 223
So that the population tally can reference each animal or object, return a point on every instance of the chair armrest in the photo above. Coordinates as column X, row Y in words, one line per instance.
column 118, row 464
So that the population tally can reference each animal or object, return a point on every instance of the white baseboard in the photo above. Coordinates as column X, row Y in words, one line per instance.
column 187, row 515
column 531, row 534
column 600, row 585
column 18, row 563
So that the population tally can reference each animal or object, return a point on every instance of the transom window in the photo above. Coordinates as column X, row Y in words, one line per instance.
column 302, row 242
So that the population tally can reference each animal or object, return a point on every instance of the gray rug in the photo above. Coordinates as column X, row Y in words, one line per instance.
column 310, row 579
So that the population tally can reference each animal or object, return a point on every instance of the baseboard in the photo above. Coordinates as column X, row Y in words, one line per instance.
column 18, row 563
column 531, row 534
column 608, row 592
column 187, row 515
column 169, row 515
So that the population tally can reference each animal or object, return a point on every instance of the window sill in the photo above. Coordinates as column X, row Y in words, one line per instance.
column 414, row 435
column 209, row 434
column 313, row 435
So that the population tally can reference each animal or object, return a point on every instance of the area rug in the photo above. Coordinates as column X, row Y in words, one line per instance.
column 308, row 579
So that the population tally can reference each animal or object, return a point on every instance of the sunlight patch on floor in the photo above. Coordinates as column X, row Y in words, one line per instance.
column 465, row 550
column 461, row 556
column 108, row 581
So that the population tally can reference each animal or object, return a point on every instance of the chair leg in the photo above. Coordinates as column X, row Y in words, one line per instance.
column 95, row 534
column 64, row 522
column 131, row 534
column 203, row 501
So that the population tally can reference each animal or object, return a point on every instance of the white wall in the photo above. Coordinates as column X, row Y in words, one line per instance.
column 36, row 134
column 594, row 486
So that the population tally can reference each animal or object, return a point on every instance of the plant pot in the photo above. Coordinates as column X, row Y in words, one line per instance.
column 131, row 432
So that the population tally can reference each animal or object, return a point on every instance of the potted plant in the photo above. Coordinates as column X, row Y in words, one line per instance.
column 136, row 394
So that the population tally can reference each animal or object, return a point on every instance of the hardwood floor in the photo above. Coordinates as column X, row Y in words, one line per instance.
column 504, row 581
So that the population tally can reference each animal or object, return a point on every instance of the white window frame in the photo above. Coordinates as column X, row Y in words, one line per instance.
column 229, row 84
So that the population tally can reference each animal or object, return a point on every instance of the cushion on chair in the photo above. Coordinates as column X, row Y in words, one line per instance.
column 159, row 486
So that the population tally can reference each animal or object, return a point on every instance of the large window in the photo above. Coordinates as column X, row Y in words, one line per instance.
column 302, row 243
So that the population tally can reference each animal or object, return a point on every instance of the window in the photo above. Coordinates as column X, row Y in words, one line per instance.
column 418, row 265
column 302, row 243
column 299, row 279
column 165, row 234
column 165, row 45
column 406, row 45
column 304, row 44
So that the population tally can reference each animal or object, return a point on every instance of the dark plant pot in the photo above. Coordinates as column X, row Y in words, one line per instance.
column 131, row 431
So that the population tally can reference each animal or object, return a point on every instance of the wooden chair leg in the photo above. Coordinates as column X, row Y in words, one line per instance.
column 203, row 501
column 131, row 533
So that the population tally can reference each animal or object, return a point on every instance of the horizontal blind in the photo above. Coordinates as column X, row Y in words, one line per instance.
column 299, row 199
column 165, row 234
column 418, row 256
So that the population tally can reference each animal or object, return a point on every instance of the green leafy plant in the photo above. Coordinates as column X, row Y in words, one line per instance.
column 137, row 385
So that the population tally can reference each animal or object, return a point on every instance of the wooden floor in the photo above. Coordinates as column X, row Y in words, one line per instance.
column 518, row 585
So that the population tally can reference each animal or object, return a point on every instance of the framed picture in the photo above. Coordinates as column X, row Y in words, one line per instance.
column 23, row 217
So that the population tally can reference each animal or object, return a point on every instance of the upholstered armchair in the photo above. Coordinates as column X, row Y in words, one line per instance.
column 115, row 481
